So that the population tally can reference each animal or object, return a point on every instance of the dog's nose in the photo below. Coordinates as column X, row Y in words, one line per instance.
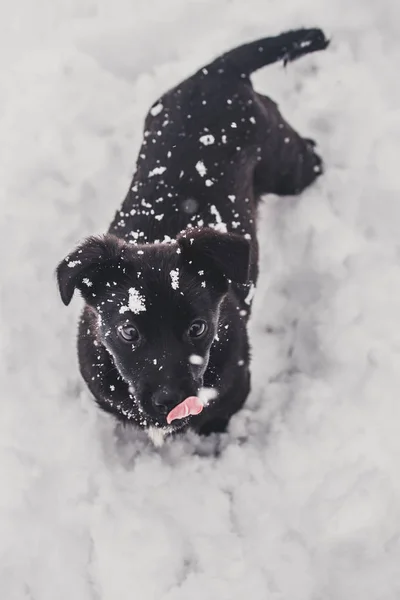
column 164, row 400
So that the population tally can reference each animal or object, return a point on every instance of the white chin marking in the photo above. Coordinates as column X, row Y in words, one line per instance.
column 157, row 435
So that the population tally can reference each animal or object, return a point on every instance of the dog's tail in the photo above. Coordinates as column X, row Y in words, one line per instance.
column 287, row 47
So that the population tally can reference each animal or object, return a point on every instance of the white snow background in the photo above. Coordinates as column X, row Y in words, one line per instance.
column 303, row 502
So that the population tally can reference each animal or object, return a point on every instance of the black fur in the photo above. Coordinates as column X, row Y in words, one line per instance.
column 183, row 246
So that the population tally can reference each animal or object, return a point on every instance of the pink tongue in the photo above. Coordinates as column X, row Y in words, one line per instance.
column 191, row 406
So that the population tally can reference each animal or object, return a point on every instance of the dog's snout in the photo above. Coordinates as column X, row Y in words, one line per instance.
column 164, row 400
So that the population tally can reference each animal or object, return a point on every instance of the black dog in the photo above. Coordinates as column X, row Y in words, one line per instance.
column 168, row 290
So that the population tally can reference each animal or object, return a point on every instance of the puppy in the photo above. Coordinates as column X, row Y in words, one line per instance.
column 162, row 340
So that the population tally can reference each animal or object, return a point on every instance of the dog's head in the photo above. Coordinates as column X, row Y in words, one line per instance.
column 157, row 308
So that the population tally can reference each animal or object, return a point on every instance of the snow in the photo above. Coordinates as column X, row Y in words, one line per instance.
column 72, row 263
column 303, row 498
column 206, row 394
column 137, row 302
column 250, row 295
column 207, row 139
column 157, row 435
column 195, row 359
column 200, row 168
column 157, row 171
column 219, row 224
column 174, row 275
column 157, row 109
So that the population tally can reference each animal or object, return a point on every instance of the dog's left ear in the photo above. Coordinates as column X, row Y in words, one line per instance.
column 228, row 253
column 81, row 269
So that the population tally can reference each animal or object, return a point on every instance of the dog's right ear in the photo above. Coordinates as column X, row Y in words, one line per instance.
column 79, row 268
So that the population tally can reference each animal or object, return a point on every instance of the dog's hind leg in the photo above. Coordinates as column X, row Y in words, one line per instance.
column 287, row 162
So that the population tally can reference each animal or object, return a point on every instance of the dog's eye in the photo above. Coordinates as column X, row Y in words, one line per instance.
column 197, row 329
column 128, row 333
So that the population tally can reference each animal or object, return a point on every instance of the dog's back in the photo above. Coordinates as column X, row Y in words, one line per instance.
column 212, row 145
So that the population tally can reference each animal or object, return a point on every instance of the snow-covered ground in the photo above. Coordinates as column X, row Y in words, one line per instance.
column 303, row 502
